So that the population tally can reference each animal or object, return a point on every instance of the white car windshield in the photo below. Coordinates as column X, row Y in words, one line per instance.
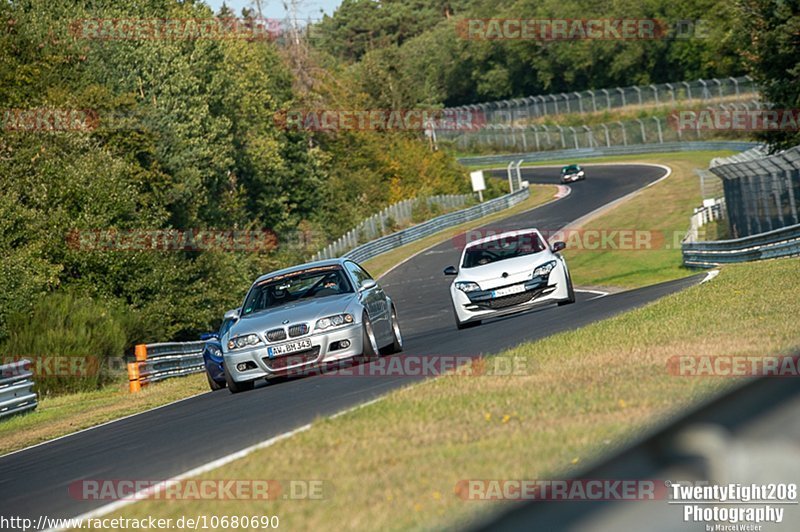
column 503, row 248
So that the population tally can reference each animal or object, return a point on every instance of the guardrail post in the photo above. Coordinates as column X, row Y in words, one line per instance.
column 134, row 385
column 134, row 381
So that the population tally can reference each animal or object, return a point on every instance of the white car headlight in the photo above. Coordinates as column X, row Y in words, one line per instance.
column 336, row 320
column 246, row 340
column 544, row 269
column 467, row 286
column 580, row 173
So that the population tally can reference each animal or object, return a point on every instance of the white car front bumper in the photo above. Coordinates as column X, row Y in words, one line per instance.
column 482, row 305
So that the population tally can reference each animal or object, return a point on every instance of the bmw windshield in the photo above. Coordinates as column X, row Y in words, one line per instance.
column 501, row 249
column 296, row 286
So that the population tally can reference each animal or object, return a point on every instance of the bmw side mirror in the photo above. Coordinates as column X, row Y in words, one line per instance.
column 558, row 246
column 232, row 314
column 450, row 270
column 368, row 284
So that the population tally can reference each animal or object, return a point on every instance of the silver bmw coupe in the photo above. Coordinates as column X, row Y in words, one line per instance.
column 305, row 316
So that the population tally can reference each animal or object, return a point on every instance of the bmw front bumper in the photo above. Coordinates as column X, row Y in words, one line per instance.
column 323, row 349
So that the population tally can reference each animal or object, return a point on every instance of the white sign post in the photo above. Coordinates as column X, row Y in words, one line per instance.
column 478, row 183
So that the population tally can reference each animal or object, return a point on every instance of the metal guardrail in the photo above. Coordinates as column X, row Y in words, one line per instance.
column 434, row 225
column 158, row 362
column 16, row 395
column 375, row 225
column 602, row 151
column 783, row 242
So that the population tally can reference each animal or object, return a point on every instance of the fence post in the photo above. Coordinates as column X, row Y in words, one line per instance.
column 561, row 134
column 688, row 89
column 580, row 101
column 671, row 92
column 608, row 138
column 735, row 85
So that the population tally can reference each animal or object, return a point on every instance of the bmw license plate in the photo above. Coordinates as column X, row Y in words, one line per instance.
column 290, row 347
column 508, row 290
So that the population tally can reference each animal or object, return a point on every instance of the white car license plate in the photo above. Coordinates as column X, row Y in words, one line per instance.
column 290, row 347
column 508, row 290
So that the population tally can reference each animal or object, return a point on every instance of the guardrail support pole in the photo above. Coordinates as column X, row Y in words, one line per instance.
column 134, row 382
column 134, row 385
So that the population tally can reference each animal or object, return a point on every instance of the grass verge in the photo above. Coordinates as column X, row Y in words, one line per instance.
column 379, row 265
column 394, row 464
column 660, row 213
column 65, row 414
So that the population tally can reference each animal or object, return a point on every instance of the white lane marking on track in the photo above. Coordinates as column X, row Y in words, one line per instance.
column 563, row 191
column 600, row 292
column 710, row 275
column 158, row 488
column 205, row 468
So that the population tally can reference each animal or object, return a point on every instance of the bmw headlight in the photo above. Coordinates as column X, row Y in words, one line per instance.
column 580, row 173
column 467, row 286
column 544, row 269
column 246, row 340
column 214, row 352
column 334, row 321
